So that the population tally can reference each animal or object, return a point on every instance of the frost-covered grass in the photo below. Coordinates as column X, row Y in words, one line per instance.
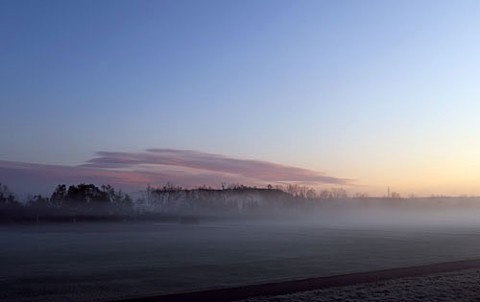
column 457, row 286
column 85, row 262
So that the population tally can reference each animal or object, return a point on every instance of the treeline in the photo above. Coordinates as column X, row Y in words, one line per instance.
column 233, row 199
column 87, row 202
column 83, row 202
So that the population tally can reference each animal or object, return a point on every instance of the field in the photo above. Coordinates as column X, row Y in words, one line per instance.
column 459, row 286
column 109, row 261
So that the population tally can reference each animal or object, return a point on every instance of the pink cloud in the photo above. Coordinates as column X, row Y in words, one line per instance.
column 255, row 169
column 158, row 166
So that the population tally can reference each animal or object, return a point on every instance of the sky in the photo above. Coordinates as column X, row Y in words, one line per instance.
column 359, row 94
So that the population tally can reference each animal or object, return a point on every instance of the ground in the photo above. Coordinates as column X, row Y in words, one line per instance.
column 455, row 286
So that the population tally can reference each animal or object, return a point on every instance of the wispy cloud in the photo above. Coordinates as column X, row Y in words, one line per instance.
column 255, row 169
column 157, row 166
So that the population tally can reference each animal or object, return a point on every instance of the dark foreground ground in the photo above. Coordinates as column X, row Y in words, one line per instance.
column 434, row 282
column 115, row 261
column 311, row 289
column 461, row 286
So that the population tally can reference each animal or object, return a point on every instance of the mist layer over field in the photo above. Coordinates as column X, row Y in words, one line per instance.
column 105, row 261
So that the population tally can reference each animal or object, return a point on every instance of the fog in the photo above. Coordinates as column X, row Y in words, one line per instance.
column 113, row 260
column 386, row 217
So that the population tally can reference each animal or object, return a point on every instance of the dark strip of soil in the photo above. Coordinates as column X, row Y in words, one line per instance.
column 288, row 287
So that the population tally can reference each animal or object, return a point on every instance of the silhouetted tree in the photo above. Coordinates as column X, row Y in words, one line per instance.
column 59, row 195
column 38, row 201
column 86, row 193
column 395, row 195
column 339, row 193
column 6, row 196
column 325, row 194
column 361, row 195
column 121, row 203
column 10, row 208
column 311, row 194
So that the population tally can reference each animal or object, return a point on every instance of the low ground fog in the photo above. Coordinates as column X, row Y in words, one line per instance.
column 109, row 260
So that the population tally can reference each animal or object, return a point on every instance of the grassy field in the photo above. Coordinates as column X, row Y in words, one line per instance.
column 85, row 262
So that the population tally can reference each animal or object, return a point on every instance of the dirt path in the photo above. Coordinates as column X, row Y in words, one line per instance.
column 288, row 287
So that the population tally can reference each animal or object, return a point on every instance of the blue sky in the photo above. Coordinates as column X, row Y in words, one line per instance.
column 381, row 92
